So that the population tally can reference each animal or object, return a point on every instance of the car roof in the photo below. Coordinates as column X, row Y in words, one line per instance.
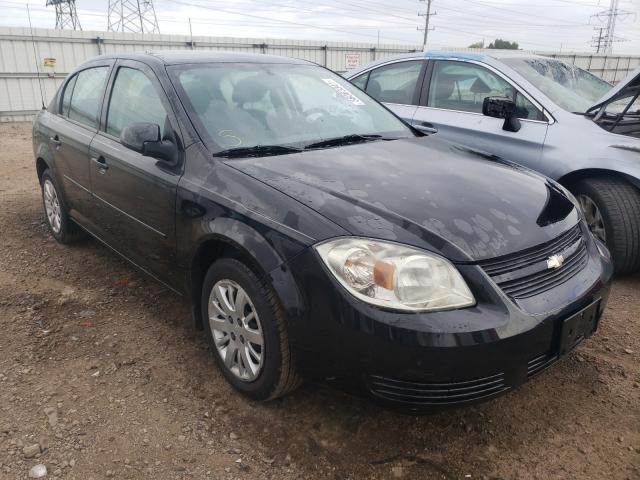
column 486, row 56
column 176, row 57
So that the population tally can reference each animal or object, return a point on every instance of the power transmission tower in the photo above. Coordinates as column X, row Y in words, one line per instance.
column 427, row 17
column 137, row 16
column 66, row 15
column 610, row 17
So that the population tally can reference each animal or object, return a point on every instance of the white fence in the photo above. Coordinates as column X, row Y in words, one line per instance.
column 22, row 57
column 30, row 61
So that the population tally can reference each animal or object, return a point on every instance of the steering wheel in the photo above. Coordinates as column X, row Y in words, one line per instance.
column 316, row 112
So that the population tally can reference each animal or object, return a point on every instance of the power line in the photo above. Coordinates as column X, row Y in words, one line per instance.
column 136, row 16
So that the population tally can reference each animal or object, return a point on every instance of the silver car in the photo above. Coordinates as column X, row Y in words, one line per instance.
column 536, row 111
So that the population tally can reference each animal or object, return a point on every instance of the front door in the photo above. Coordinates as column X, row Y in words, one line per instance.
column 135, row 195
column 452, row 107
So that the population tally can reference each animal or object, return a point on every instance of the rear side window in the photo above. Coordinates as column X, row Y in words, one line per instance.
column 133, row 100
column 86, row 97
column 395, row 83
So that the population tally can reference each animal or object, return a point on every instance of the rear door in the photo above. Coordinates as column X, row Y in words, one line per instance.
column 451, row 105
column 135, row 196
column 71, row 132
column 396, row 84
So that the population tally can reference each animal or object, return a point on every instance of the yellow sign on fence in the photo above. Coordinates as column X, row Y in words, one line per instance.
column 49, row 62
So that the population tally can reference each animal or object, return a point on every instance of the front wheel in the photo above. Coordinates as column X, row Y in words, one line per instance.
column 611, row 207
column 247, row 332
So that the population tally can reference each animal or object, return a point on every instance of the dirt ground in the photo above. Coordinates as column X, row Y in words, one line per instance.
column 100, row 369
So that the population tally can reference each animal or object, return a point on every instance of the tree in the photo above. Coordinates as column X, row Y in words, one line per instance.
column 503, row 44
column 477, row 45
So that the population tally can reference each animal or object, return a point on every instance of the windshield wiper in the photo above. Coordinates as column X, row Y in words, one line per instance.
column 257, row 151
column 345, row 140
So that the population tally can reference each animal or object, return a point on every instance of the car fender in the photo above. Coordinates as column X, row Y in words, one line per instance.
column 258, row 251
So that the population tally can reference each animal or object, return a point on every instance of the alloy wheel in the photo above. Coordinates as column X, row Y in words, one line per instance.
column 52, row 206
column 236, row 330
column 593, row 216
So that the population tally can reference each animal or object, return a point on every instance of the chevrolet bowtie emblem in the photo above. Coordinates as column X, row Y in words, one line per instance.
column 555, row 261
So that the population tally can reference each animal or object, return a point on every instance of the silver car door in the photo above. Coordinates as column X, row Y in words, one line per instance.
column 451, row 105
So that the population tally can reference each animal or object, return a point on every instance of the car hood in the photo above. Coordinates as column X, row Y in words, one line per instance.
column 424, row 192
column 631, row 83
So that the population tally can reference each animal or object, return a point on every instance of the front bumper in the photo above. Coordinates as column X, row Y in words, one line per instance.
column 423, row 361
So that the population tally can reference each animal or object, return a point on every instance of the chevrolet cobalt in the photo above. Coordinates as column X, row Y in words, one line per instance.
column 314, row 233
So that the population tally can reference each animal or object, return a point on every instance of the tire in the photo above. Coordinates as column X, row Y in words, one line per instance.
column 63, row 229
column 619, row 205
column 276, row 374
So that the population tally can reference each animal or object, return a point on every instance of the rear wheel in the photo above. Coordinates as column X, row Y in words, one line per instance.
column 247, row 333
column 611, row 207
column 60, row 224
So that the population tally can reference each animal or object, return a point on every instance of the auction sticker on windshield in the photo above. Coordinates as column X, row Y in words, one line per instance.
column 343, row 92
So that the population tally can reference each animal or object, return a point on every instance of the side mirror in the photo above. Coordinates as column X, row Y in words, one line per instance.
column 502, row 107
column 145, row 138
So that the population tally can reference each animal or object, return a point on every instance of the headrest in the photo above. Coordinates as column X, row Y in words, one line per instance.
column 374, row 89
column 444, row 87
column 249, row 90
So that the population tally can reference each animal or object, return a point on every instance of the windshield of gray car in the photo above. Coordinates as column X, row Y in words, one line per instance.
column 253, row 106
column 570, row 87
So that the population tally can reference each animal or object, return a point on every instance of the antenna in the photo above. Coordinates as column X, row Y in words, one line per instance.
column 136, row 16
column 66, row 15
column 35, row 57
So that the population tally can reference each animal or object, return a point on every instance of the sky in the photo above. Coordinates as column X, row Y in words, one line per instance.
column 543, row 25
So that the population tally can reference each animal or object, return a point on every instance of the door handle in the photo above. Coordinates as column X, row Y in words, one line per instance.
column 55, row 140
column 425, row 127
column 101, row 162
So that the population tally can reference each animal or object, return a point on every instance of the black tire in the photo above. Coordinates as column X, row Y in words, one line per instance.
column 277, row 375
column 619, row 204
column 68, row 231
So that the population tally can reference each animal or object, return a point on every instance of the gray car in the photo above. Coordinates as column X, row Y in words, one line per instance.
column 536, row 111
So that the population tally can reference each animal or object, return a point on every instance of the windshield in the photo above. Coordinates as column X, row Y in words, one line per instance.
column 239, row 106
column 570, row 87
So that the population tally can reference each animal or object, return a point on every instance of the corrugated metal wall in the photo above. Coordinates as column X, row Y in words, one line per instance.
column 21, row 57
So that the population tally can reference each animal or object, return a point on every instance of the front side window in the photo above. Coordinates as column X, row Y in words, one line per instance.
column 361, row 81
column 86, row 97
column 245, row 105
column 570, row 87
column 463, row 86
column 395, row 83
column 133, row 100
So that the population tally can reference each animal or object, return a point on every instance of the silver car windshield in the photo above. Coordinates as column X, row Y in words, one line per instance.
column 570, row 87
column 242, row 106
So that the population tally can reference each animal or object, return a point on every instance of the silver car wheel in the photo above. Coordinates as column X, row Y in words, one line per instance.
column 52, row 206
column 593, row 216
column 236, row 330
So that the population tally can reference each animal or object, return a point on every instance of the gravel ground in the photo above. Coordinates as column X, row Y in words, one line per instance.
column 102, row 376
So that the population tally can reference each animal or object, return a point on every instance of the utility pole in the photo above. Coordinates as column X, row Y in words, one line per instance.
column 137, row 16
column 66, row 15
column 598, row 39
column 427, row 17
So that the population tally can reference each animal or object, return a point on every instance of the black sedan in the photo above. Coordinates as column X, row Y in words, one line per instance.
column 314, row 233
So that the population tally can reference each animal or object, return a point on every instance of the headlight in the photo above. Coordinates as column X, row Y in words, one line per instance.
column 395, row 276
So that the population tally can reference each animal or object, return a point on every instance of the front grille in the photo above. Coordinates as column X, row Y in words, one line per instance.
column 418, row 393
column 526, row 274
column 541, row 363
